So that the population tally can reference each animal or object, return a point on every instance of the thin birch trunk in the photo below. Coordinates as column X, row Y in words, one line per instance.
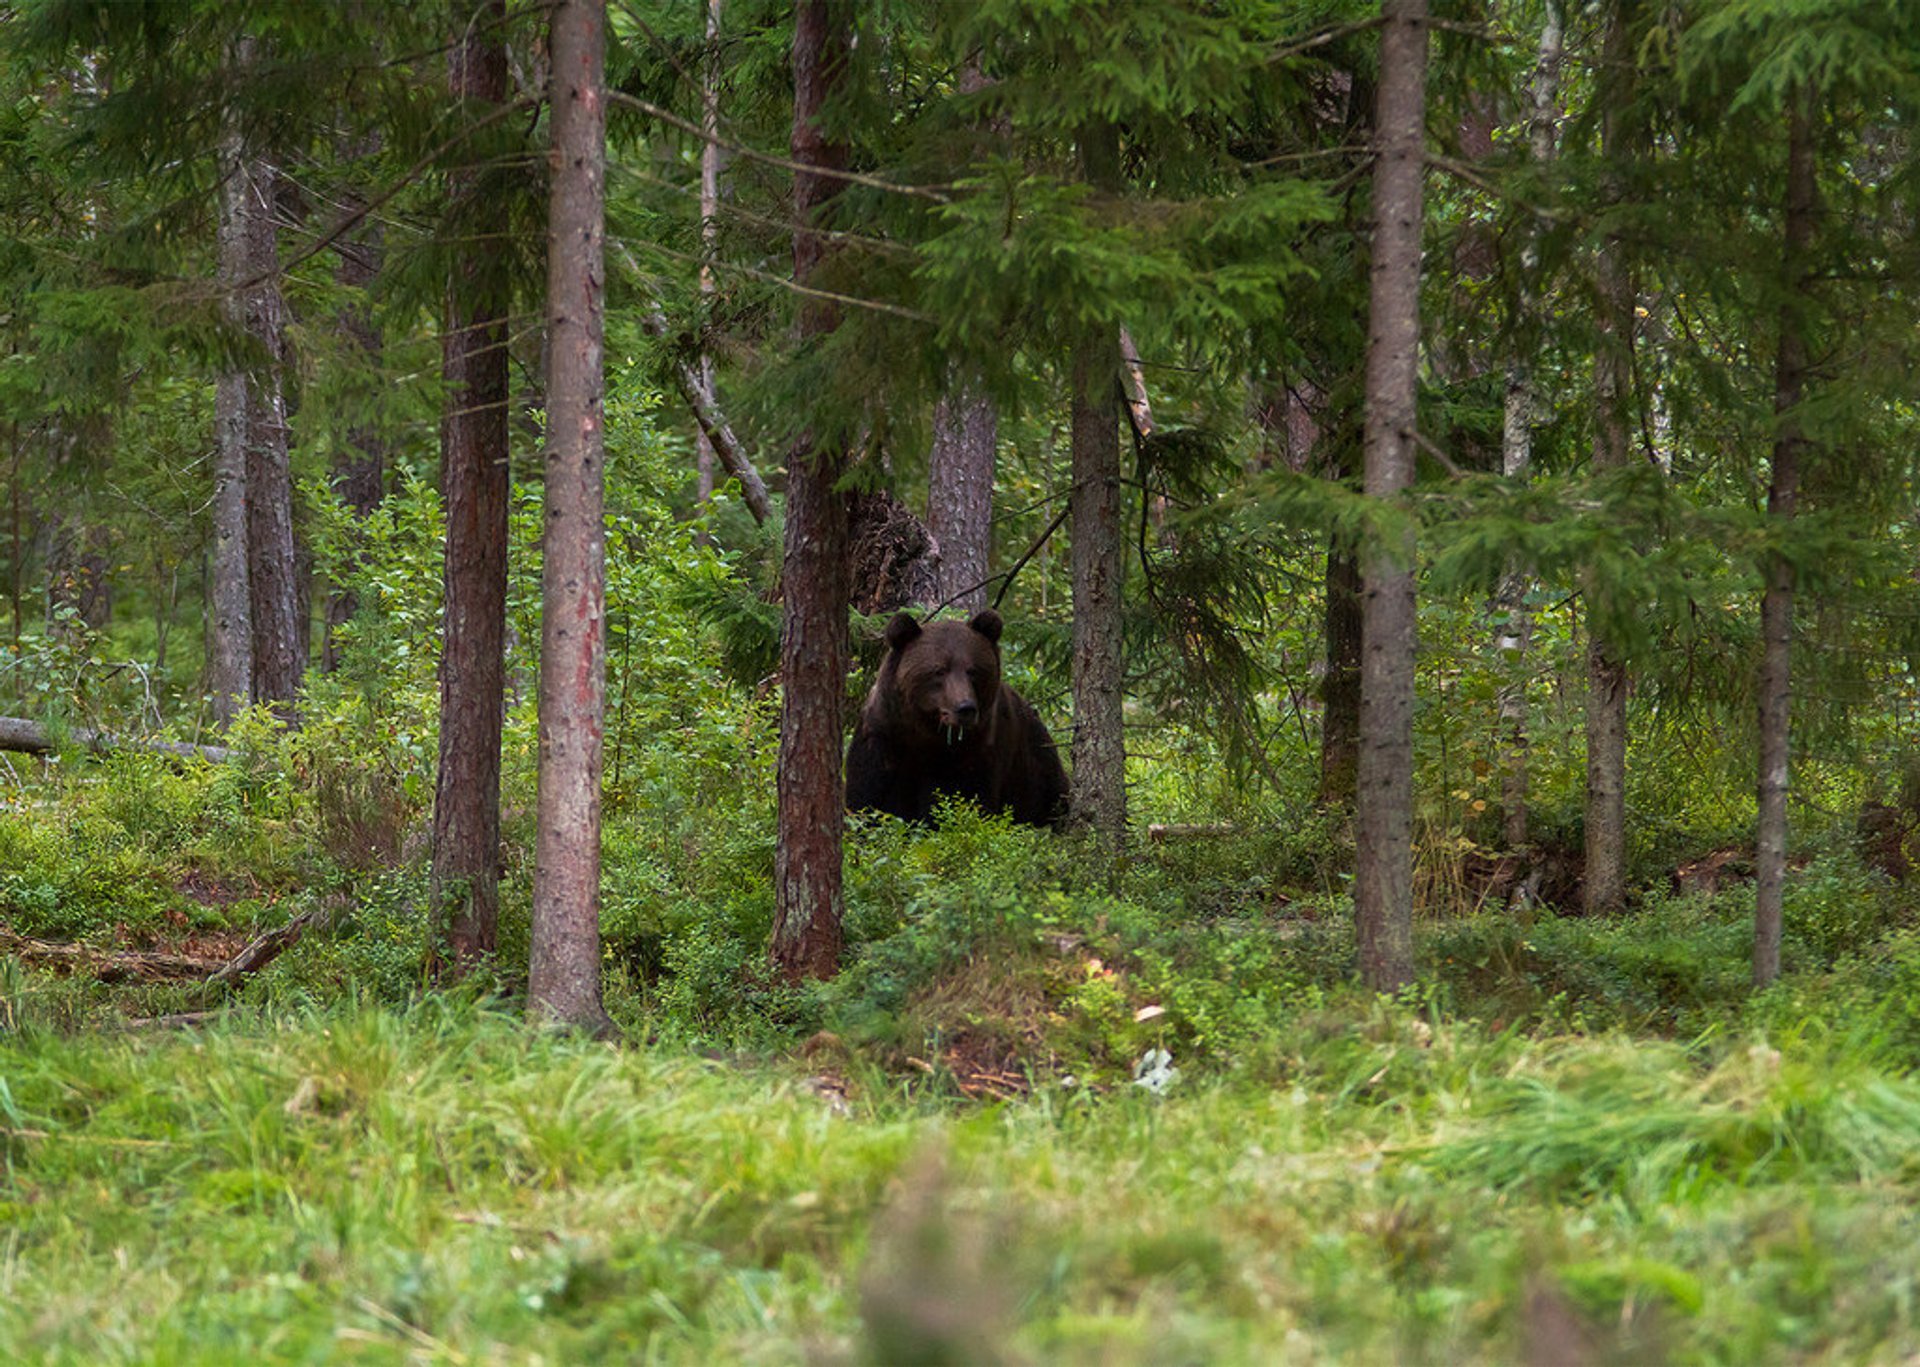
column 1513, row 634
column 704, row 454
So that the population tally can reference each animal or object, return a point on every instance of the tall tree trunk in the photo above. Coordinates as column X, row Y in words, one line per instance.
column 813, row 628
column 279, row 638
column 966, row 434
column 1383, row 824
column 1513, row 632
column 230, row 620
column 1606, row 716
column 1776, row 608
column 474, row 486
column 359, row 471
column 563, row 972
column 1099, row 800
column 705, row 455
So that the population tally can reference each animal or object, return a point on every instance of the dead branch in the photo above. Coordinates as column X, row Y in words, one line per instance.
column 31, row 738
column 263, row 949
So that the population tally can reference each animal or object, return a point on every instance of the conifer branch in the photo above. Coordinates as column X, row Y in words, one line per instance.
column 357, row 214
column 687, row 126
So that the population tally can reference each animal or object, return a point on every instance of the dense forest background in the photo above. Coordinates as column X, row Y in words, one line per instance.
column 1448, row 477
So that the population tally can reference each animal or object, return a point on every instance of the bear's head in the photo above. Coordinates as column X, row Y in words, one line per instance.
column 945, row 675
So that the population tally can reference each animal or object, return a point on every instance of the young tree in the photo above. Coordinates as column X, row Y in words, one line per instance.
column 1791, row 365
column 1606, row 712
column 813, row 628
column 474, row 486
column 1383, row 827
column 1514, row 630
column 563, row 974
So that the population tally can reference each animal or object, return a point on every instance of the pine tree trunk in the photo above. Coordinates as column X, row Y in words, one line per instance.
column 813, row 629
column 279, row 641
column 966, row 435
column 230, row 620
column 474, row 487
column 1099, row 800
column 1606, row 716
column 1776, row 608
column 1513, row 634
column 1383, row 824
column 563, row 972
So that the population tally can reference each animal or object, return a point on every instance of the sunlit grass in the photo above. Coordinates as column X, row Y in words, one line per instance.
column 445, row 1185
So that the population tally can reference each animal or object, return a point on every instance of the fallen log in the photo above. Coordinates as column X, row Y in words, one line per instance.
column 108, row 965
column 31, row 738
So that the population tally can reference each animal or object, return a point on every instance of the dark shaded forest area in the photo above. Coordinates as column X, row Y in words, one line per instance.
column 1440, row 472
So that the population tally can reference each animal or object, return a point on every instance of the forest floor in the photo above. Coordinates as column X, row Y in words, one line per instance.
column 441, row 1184
column 1055, row 1108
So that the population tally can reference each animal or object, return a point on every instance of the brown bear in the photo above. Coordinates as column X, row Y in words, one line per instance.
column 939, row 721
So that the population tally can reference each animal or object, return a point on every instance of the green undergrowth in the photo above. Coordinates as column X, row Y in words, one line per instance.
column 444, row 1185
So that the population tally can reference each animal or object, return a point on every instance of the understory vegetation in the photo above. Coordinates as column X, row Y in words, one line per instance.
column 1058, row 1106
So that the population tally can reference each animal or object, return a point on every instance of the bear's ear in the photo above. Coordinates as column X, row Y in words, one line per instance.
column 987, row 623
column 901, row 630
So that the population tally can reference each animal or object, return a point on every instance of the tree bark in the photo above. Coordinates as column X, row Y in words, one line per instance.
column 966, row 435
column 1099, row 794
column 705, row 453
column 474, row 484
column 563, row 974
column 1606, row 715
column 278, row 648
column 1383, row 824
column 1513, row 632
column 1776, row 607
column 813, row 629
column 230, row 619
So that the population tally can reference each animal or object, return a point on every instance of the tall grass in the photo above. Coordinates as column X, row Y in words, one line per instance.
column 443, row 1185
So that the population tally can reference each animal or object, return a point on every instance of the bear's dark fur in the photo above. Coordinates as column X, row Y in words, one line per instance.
column 938, row 721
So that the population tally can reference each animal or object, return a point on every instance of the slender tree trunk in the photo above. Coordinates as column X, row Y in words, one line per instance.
column 563, row 972
column 813, row 629
column 1099, row 800
column 1513, row 633
column 709, row 230
column 966, row 434
column 1776, row 608
column 1606, row 718
column 359, row 471
column 230, row 620
column 474, row 486
column 1383, row 825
